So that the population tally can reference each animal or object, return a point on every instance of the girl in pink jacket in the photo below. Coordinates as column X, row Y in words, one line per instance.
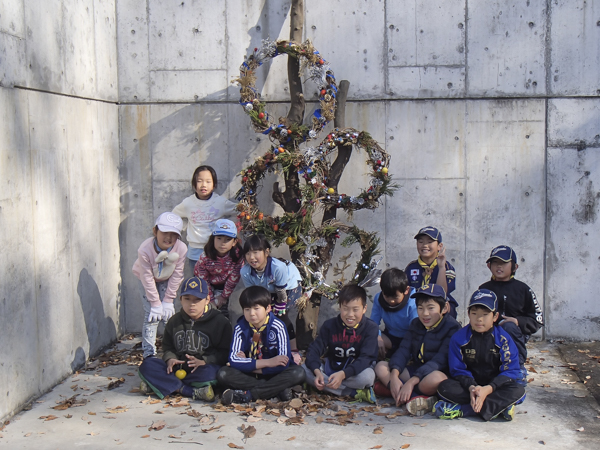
column 159, row 268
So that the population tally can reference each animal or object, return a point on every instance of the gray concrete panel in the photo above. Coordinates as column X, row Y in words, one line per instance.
column 574, row 47
column 574, row 123
column 572, row 248
column 432, row 128
column 426, row 82
column 137, row 215
column 188, row 85
column 506, row 48
column 132, row 51
column 425, row 33
column 105, row 48
column 187, row 35
column 12, row 55
column 350, row 36
column 12, row 18
column 19, row 370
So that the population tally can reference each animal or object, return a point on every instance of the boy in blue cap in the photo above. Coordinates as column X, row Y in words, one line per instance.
column 520, row 313
column 431, row 266
column 484, row 366
column 426, row 344
column 195, row 345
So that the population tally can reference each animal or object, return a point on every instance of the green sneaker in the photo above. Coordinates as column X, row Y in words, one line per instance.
column 144, row 388
column 446, row 410
column 509, row 413
column 420, row 405
column 365, row 395
column 205, row 393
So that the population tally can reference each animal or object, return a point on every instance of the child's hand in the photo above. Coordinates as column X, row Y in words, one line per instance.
column 156, row 313
column 240, row 354
column 171, row 362
column 382, row 349
column 168, row 311
column 441, row 257
column 478, row 396
column 335, row 379
column 194, row 362
column 319, row 380
column 395, row 387
column 406, row 391
column 279, row 360
column 219, row 301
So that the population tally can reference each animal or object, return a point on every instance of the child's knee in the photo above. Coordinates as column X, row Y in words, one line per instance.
column 382, row 369
column 298, row 374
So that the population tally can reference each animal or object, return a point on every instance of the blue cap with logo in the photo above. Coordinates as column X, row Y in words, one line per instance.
column 431, row 290
column 195, row 286
column 432, row 232
column 503, row 253
column 484, row 297
column 224, row 227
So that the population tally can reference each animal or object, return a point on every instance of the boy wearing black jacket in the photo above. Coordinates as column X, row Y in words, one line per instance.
column 520, row 313
column 348, row 344
column 195, row 345
column 426, row 344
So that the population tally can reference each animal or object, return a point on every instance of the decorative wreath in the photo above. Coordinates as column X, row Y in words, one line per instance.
column 310, row 163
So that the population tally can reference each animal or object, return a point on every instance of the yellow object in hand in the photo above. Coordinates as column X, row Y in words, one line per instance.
column 181, row 374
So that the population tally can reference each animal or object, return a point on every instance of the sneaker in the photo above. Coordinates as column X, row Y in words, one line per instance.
column 286, row 395
column 236, row 396
column 446, row 410
column 509, row 413
column 205, row 393
column 381, row 390
column 365, row 395
column 420, row 405
column 144, row 388
column 522, row 380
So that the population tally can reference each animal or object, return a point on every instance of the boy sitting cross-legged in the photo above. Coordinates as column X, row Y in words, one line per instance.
column 484, row 366
column 195, row 344
column 348, row 344
column 426, row 343
column 260, row 360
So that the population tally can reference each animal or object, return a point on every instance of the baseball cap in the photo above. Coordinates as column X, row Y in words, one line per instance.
column 168, row 222
column 484, row 297
column 431, row 290
column 195, row 286
column 432, row 232
column 224, row 227
column 503, row 253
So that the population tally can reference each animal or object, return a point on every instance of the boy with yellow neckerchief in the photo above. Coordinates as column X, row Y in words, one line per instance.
column 260, row 360
column 431, row 266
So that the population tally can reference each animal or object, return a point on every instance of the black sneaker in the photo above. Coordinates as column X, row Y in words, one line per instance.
column 236, row 396
column 286, row 395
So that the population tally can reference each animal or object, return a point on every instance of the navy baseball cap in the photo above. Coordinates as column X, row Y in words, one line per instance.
column 195, row 286
column 503, row 253
column 432, row 232
column 224, row 227
column 430, row 290
column 484, row 297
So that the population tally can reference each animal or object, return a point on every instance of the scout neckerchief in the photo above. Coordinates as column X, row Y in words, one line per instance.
column 254, row 348
column 427, row 270
column 158, row 250
column 350, row 328
column 422, row 349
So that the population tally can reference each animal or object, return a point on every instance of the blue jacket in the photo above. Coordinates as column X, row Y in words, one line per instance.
column 396, row 322
column 274, row 341
column 495, row 363
column 435, row 343
column 277, row 275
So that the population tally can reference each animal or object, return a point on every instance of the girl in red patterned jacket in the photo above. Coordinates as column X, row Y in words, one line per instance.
column 220, row 263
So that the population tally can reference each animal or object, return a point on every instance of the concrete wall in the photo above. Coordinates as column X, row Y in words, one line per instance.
column 476, row 101
column 59, row 206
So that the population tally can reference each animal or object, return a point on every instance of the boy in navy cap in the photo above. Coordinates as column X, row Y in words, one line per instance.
column 195, row 346
column 484, row 366
column 520, row 313
column 431, row 266
column 426, row 344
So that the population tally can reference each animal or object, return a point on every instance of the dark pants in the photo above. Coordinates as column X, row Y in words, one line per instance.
column 292, row 296
column 261, row 386
column 154, row 372
column 519, row 338
column 499, row 400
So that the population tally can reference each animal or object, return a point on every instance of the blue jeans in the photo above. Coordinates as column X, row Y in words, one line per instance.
column 149, row 329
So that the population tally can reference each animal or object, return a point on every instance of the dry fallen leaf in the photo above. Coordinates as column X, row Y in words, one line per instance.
column 290, row 413
column 145, row 436
column 253, row 419
column 378, row 430
column 248, row 431
column 115, row 384
column 117, row 410
column 405, row 446
column 291, row 439
column 27, row 435
column 93, row 434
column 91, row 413
column 157, row 425
column 319, row 419
column 296, row 403
column 375, row 446
column 408, row 434
column 232, row 445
